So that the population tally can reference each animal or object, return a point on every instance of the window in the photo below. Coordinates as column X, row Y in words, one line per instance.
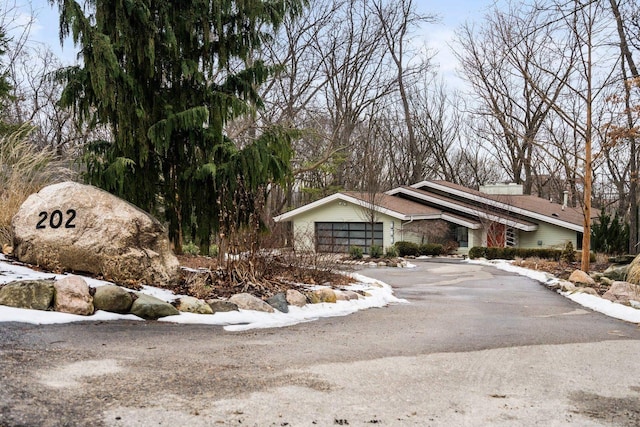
column 340, row 236
column 462, row 237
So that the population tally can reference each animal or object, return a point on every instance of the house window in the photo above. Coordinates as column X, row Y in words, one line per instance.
column 338, row 237
column 462, row 237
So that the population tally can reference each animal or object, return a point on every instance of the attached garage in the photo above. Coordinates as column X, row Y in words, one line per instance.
column 340, row 236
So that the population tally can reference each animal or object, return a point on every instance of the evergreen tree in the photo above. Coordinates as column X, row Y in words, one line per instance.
column 166, row 76
column 610, row 235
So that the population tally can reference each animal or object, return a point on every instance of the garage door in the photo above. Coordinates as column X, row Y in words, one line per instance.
column 340, row 236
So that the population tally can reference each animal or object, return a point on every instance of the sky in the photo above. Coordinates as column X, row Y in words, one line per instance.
column 450, row 13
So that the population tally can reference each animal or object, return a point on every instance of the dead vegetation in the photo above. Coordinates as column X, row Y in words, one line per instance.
column 260, row 275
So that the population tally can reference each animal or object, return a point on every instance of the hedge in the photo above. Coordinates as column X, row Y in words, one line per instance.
column 407, row 248
column 512, row 253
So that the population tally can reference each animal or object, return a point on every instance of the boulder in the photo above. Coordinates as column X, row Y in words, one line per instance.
column 324, row 295
column 351, row 295
column 32, row 294
column 622, row 259
column 279, row 302
column 152, row 308
column 193, row 305
column 567, row 286
column 7, row 249
column 296, row 298
column 76, row 227
column 579, row 276
column 622, row 292
column 112, row 298
column 587, row 290
column 247, row 301
column 73, row 296
column 218, row 305
column 616, row 272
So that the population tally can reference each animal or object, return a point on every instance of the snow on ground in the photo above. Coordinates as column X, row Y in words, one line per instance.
column 380, row 293
column 592, row 302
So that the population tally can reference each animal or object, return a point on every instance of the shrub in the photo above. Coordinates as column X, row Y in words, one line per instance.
column 191, row 249
column 513, row 253
column 568, row 254
column 392, row 252
column 430, row 249
column 375, row 251
column 477, row 252
column 24, row 170
column 408, row 249
column 213, row 250
column 355, row 252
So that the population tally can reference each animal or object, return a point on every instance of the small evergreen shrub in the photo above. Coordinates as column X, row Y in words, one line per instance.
column 191, row 249
column 568, row 254
column 375, row 251
column 408, row 249
column 355, row 252
column 213, row 250
column 432, row 249
column 513, row 253
column 392, row 252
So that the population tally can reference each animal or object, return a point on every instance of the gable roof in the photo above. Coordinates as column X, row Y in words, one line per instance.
column 524, row 206
column 456, row 204
column 396, row 207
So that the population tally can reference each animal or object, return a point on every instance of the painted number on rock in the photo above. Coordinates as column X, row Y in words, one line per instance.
column 57, row 219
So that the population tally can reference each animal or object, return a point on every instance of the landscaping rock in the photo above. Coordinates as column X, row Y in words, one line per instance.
column 76, row 227
column 324, row 295
column 218, row 305
column 622, row 292
column 296, row 298
column 579, row 276
column 351, row 295
column 193, row 305
column 622, row 259
column 112, row 298
column 73, row 296
column 587, row 290
column 616, row 272
column 606, row 281
column 152, row 308
column 32, row 294
column 247, row 301
column 279, row 302
column 7, row 249
column 567, row 286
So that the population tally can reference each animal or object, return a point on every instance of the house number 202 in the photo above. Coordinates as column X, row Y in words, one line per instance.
column 56, row 219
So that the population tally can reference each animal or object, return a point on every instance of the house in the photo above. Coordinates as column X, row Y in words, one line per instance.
column 498, row 215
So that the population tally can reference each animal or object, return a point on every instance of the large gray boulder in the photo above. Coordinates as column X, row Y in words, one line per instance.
column 33, row 294
column 76, row 227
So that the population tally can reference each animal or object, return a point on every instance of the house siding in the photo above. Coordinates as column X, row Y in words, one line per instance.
column 338, row 211
column 551, row 236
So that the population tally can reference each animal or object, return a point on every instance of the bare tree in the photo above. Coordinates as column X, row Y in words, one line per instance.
column 515, row 78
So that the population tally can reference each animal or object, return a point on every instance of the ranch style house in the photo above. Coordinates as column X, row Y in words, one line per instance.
column 498, row 215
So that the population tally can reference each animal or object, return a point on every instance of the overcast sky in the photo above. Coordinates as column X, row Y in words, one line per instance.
column 451, row 14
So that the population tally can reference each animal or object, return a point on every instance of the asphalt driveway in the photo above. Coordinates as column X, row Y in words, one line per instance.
column 474, row 346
